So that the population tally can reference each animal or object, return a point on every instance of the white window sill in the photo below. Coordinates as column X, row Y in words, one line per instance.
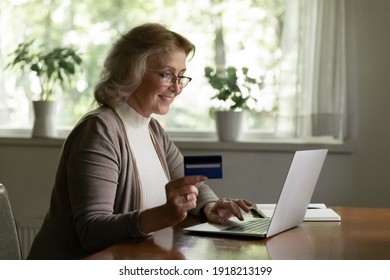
column 211, row 144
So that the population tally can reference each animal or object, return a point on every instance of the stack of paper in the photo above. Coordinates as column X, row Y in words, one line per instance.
column 316, row 212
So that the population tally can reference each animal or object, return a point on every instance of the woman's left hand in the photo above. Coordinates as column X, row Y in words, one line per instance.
column 223, row 209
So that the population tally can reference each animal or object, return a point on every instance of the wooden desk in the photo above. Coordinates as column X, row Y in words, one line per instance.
column 363, row 233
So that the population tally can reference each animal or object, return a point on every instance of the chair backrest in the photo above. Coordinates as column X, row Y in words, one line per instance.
column 9, row 239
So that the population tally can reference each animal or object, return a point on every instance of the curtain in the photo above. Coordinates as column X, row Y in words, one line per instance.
column 313, row 70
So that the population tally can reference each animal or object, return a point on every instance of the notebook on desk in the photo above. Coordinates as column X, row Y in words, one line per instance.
column 292, row 204
column 316, row 212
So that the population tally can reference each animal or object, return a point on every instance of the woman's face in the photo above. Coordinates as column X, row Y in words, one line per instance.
column 153, row 96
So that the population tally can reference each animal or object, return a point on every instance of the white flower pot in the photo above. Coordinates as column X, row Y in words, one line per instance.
column 229, row 125
column 45, row 118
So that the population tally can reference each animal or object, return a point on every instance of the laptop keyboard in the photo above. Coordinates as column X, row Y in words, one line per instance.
column 256, row 225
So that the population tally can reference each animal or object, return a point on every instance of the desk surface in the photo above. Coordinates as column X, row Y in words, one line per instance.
column 363, row 233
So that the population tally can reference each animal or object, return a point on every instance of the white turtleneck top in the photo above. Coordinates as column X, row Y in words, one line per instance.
column 152, row 176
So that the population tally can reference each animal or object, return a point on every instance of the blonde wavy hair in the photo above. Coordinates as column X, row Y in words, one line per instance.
column 128, row 60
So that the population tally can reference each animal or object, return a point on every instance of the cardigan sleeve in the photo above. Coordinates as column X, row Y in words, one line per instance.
column 94, row 163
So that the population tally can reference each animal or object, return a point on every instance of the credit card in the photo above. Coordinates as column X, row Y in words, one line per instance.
column 209, row 166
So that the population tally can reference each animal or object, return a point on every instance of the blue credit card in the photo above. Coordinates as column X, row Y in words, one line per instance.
column 209, row 166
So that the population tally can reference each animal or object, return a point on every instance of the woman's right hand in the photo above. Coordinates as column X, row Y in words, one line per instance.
column 181, row 197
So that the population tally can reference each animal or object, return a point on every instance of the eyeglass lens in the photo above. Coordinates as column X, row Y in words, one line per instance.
column 169, row 78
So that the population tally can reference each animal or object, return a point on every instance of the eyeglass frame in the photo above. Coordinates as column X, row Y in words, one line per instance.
column 174, row 78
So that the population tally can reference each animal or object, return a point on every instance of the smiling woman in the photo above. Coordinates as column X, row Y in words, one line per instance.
column 120, row 177
column 127, row 77
column 162, row 88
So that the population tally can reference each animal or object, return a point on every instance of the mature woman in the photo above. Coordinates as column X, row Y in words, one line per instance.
column 120, row 177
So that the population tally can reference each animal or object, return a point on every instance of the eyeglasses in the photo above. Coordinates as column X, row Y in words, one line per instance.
column 169, row 78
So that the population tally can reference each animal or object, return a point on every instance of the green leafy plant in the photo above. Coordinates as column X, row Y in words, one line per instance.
column 54, row 68
column 233, row 89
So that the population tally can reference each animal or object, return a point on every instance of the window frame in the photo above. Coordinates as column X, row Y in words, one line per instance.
column 189, row 136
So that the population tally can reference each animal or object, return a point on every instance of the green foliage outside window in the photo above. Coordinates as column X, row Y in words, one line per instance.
column 224, row 31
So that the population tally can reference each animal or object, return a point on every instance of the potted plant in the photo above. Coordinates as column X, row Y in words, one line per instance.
column 54, row 69
column 234, row 93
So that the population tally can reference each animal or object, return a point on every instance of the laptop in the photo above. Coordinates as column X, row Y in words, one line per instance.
column 292, row 204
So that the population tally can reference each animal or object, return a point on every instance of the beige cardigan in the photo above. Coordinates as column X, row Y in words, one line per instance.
column 94, row 199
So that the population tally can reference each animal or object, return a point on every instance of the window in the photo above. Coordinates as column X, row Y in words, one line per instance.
column 226, row 32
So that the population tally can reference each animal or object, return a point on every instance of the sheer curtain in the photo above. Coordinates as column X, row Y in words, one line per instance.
column 313, row 70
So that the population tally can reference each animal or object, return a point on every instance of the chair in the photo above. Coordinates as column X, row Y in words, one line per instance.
column 9, row 239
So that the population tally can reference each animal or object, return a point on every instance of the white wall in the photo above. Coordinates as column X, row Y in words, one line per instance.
column 357, row 178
